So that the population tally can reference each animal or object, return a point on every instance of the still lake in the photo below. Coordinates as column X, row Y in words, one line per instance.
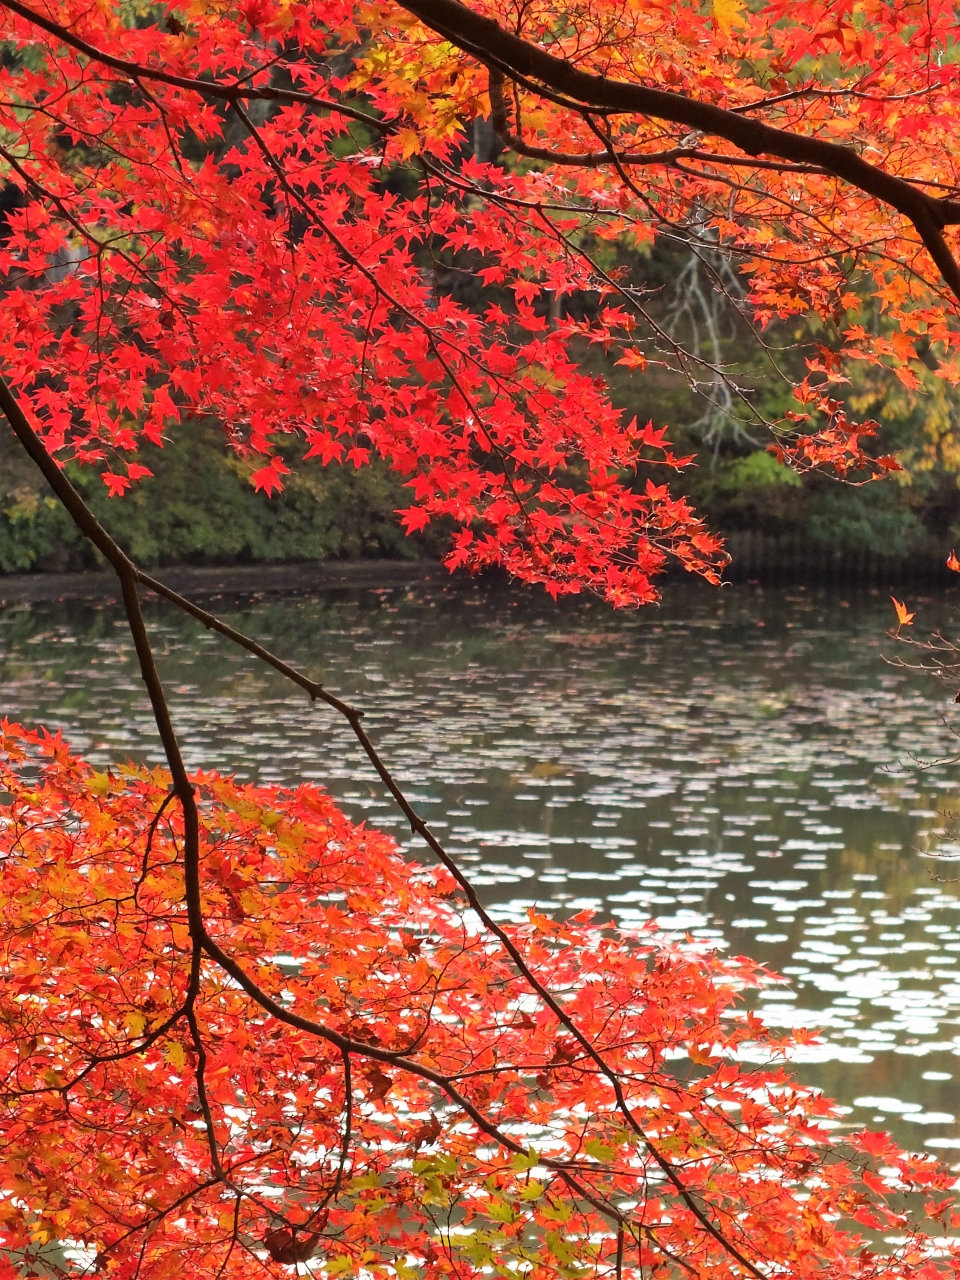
column 740, row 765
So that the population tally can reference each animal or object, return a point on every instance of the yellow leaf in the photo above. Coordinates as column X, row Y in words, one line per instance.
column 175, row 1054
column 408, row 141
column 728, row 14
column 700, row 1054
column 135, row 1022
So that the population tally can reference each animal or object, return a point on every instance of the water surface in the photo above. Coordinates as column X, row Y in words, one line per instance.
column 742, row 766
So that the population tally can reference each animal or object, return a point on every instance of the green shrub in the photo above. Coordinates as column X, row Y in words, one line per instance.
column 199, row 508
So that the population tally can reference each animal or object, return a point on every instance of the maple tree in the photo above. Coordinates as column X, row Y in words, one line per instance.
column 347, row 1067
column 237, row 1032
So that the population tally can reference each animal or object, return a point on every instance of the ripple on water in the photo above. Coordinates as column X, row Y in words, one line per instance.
column 756, row 789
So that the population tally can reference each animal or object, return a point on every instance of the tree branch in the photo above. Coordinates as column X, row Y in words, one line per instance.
column 594, row 159
column 203, row 943
column 513, row 56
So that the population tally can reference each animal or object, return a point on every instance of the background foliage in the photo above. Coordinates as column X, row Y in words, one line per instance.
column 200, row 508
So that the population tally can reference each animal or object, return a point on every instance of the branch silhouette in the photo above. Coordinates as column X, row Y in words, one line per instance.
column 131, row 577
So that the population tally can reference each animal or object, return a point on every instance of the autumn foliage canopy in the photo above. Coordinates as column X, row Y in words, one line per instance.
column 441, row 1121
column 269, row 214
column 239, row 1035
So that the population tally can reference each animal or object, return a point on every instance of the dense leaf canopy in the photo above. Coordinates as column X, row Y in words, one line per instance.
column 291, row 218
column 423, row 1112
column 237, row 1033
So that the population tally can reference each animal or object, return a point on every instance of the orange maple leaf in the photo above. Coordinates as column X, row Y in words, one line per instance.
column 700, row 1054
column 380, row 1083
column 953, row 563
column 904, row 619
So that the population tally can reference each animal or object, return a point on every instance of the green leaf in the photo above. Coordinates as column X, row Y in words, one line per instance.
column 529, row 1160
column 500, row 1211
column 599, row 1150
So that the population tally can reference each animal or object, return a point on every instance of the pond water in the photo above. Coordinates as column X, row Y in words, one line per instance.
column 742, row 766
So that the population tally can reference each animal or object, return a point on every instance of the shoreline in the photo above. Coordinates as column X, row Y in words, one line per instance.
column 254, row 579
column 758, row 560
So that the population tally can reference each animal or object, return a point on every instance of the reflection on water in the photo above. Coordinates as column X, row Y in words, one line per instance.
column 741, row 766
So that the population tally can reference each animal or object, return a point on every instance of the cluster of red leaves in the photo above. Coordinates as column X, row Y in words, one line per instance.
column 463, row 1132
column 280, row 285
column 292, row 267
column 836, row 447
column 879, row 78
